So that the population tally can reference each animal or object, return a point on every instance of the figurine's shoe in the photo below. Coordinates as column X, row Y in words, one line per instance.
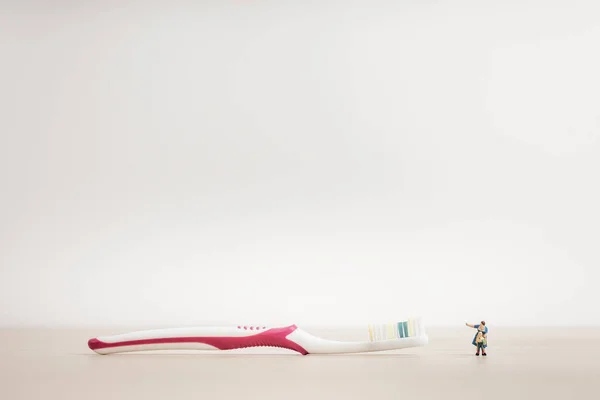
column 484, row 354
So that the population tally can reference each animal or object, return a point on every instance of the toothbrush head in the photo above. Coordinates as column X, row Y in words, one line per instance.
column 412, row 327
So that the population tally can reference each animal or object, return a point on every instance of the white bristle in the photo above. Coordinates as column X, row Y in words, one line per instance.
column 406, row 328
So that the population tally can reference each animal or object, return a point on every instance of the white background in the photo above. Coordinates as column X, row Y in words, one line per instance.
column 171, row 163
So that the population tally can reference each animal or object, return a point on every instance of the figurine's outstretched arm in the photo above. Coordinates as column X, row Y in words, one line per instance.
column 469, row 325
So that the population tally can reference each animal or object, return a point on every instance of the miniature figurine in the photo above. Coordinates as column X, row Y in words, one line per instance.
column 480, row 338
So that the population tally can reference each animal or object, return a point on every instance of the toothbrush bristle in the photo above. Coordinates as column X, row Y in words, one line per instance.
column 412, row 327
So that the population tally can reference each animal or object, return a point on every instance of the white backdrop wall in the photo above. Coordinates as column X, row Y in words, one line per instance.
column 322, row 162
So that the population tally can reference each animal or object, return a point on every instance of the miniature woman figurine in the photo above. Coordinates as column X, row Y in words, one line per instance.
column 480, row 339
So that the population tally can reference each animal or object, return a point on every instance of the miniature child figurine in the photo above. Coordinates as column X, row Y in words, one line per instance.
column 480, row 339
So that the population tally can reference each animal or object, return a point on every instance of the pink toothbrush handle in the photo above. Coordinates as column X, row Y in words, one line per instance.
column 274, row 337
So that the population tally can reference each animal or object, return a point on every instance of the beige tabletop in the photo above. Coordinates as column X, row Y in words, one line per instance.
column 551, row 363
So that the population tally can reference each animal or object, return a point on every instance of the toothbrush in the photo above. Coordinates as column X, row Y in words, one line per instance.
column 404, row 334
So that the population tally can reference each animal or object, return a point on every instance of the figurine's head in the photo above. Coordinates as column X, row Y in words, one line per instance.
column 483, row 323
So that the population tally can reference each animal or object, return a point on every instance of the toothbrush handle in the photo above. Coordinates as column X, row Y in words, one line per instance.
column 197, row 339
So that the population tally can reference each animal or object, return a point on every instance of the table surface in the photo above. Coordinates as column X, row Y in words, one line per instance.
column 522, row 363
